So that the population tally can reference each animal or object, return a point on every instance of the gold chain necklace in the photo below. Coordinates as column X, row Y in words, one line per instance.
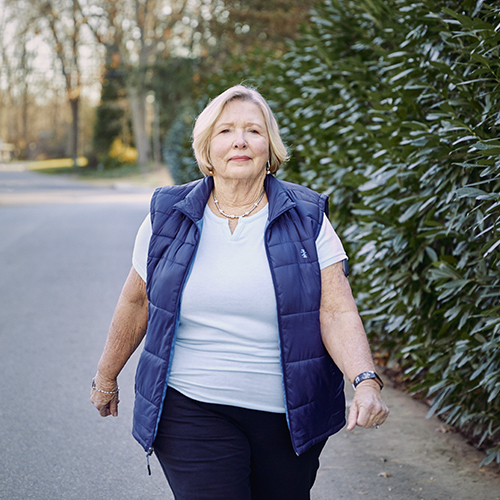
column 229, row 216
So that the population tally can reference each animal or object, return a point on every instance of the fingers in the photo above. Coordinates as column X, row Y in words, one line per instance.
column 105, row 404
column 113, row 407
column 353, row 417
column 367, row 409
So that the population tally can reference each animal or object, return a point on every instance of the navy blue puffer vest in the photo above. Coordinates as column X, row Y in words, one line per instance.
column 312, row 382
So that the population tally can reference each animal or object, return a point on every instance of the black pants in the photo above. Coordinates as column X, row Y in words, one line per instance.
column 218, row 452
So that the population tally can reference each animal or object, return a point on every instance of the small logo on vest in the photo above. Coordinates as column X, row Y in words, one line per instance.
column 303, row 253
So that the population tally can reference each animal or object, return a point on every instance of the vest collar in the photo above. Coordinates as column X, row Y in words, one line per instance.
column 193, row 205
column 279, row 198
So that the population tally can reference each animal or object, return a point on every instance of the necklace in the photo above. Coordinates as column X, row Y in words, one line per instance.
column 237, row 216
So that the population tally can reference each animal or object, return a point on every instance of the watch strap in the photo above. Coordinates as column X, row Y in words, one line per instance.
column 367, row 376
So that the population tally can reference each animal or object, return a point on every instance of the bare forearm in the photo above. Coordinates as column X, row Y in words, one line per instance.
column 126, row 332
column 127, row 329
column 345, row 339
column 341, row 327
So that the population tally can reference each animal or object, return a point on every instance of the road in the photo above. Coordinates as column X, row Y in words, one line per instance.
column 65, row 251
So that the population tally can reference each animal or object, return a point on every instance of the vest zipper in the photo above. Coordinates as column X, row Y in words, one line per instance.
column 148, row 454
column 151, row 449
column 279, row 338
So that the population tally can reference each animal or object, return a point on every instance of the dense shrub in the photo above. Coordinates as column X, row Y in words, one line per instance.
column 177, row 150
column 393, row 107
column 110, row 116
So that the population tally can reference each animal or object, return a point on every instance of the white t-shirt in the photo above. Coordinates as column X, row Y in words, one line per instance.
column 328, row 245
column 227, row 344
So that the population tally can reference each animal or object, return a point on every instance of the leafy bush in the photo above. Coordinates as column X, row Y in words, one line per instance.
column 393, row 109
column 177, row 150
column 110, row 114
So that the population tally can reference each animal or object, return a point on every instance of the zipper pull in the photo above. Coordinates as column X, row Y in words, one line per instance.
column 149, row 453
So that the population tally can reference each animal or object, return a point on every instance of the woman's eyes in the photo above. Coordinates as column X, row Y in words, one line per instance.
column 252, row 131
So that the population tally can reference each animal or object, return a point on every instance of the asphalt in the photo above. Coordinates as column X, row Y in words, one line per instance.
column 410, row 457
column 65, row 250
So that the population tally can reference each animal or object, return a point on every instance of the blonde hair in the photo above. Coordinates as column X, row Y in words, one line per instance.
column 205, row 122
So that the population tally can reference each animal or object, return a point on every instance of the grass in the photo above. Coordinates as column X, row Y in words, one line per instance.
column 132, row 174
column 57, row 164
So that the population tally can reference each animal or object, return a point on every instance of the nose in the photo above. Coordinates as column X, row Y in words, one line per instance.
column 239, row 141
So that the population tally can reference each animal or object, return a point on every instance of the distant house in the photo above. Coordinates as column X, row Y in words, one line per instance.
column 6, row 151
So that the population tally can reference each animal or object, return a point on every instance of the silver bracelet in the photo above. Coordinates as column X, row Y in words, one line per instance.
column 94, row 387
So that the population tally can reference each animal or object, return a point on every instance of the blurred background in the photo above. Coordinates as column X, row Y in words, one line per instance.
column 119, row 81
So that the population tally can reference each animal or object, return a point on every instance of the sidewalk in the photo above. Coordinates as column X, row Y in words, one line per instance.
column 408, row 458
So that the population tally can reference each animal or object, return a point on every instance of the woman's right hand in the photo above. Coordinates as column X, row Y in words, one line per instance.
column 106, row 404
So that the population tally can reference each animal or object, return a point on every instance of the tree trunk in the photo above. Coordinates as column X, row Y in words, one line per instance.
column 25, row 102
column 138, row 110
column 25, row 119
column 156, row 135
column 75, row 105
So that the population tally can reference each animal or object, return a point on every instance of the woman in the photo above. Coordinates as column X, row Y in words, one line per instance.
column 250, row 320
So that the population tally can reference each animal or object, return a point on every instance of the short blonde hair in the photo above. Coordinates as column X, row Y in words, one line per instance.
column 205, row 122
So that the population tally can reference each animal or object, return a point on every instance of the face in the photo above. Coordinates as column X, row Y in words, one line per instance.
column 239, row 144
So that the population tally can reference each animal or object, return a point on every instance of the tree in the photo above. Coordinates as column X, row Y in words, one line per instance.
column 137, row 36
column 17, row 70
column 246, row 36
column 65, row 28
column 242, row 44
column 110, row 114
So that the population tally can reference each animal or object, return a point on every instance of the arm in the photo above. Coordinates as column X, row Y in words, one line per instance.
column 345, row 339
column 126, row 332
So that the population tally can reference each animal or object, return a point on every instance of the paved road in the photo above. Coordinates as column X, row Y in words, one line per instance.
column 65, row 250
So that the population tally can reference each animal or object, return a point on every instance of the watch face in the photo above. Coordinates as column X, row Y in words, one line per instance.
column 366, row 376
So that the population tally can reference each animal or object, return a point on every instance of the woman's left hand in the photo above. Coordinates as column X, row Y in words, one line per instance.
column 367, row 408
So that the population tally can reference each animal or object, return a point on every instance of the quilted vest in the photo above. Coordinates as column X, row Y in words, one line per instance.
column 313, row 384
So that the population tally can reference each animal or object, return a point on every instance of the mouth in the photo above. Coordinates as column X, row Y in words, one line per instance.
column 240, row 158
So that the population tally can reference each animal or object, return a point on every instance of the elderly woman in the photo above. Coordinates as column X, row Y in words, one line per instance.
column 238, row 286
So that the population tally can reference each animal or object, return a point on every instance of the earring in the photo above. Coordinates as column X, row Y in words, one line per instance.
column 268, row 167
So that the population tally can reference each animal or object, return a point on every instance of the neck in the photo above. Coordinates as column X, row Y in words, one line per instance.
column 236, row 197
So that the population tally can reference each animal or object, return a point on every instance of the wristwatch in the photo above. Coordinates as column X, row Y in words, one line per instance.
column 367, row 376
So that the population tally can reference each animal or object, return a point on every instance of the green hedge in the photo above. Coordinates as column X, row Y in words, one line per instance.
column 393, row 108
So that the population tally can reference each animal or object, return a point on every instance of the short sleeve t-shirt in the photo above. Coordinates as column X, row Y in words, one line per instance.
column 227, row 343
column 328, row 244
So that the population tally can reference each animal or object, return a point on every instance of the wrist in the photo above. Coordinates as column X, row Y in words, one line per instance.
column 105, row 383
column 368, row 377
column 96, row 388
column 369, row 383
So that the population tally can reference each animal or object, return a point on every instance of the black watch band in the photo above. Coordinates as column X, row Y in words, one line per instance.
column 367, row 376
